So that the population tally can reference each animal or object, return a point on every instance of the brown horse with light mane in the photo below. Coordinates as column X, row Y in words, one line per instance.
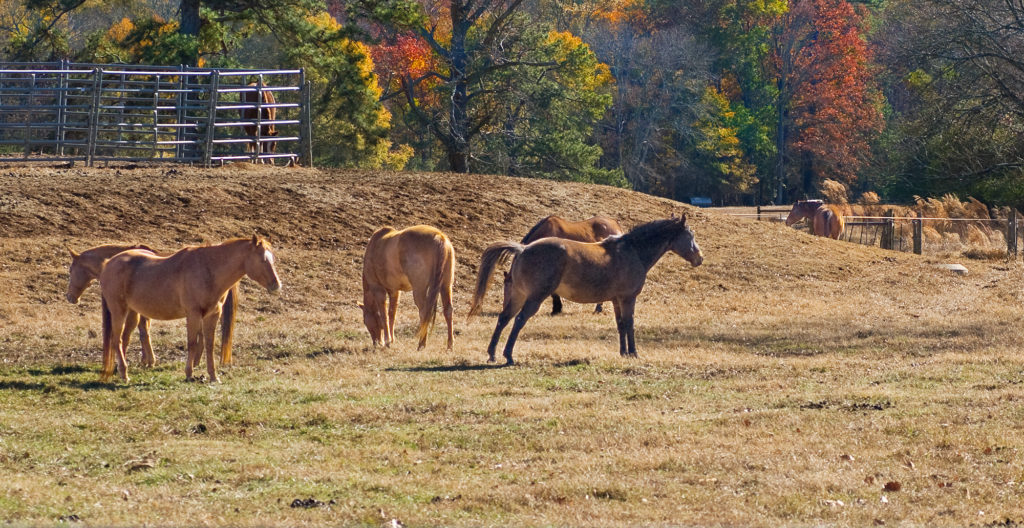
column 263, row 109
column 827, row 219
column 614, row 269
column 420, row 259
column 190, row 284
column 594, row 229
column 85, row 268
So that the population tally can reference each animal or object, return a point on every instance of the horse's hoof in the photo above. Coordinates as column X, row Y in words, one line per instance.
column 509, row 362
column 490, row 359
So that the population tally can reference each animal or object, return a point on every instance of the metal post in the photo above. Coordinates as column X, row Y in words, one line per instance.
column 62, row 101
column 305, row 121
column 258, row 151
column 156, row 117
column 93, row 121
column 179, row 118
column 918, row 233
column 211, row 118
column 29, row 102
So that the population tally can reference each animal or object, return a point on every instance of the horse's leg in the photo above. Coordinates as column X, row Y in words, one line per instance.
column 115, row 347
column 598, row 309
column 148, row 357
column 193, row 341
column 389, row 330
column 209, row 327
column 530, row 308
column 628, row 306
column 420, row 297
column 618, row 327
column 131, row 320
column 556, row 305
column 448, row 312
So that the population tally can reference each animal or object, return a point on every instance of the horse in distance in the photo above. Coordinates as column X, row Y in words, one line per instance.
column 420, row 259
column 826, row 219
column 594, row 229
column 266, row 112
column 614, row 269
column 192, row 284
column 85, row 268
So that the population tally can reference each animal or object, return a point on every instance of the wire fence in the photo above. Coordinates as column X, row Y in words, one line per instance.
column 109, row 112
column 921, row 235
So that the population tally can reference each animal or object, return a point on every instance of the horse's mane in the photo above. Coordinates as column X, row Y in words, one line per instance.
column 654, row 231
column 533, row 230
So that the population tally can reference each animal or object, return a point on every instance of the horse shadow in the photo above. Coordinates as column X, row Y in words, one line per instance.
column 461, row 367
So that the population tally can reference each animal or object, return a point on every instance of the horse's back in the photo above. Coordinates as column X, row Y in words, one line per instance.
column 828, row 221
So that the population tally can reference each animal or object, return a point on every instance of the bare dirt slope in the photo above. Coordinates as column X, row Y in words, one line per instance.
column 320, row 220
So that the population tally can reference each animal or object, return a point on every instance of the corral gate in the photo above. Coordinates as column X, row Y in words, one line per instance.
column 65, row 111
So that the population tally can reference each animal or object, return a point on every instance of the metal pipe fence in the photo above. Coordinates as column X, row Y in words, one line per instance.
column 115, row 112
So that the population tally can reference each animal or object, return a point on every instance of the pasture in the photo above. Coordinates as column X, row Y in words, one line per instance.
column 789, row 380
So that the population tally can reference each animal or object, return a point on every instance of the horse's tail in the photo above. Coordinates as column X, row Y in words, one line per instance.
column 495, row 255
column 444, row 267
column 227, row 324
column 108, row 354
column 531, row 235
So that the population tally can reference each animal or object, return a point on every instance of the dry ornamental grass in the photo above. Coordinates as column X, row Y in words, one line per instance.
column 789, row 380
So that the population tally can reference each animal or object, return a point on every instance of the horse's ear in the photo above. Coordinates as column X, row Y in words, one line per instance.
column 359, row 304
column 72, row 252
column 683, row 219
column 255, row 239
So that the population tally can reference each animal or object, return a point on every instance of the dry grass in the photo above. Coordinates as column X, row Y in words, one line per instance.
column 784, row 382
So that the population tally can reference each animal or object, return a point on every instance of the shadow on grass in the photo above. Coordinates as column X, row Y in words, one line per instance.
column 59, row 370
column 462, row 367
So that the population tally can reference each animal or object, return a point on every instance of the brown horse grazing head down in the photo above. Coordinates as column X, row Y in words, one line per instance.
column 826, row 219
column 191, row 284
column 614, row 269
column 85, row 267
column 594, row 229
column 420, row 259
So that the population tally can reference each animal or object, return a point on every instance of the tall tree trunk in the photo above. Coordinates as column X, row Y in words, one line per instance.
column 458, row 119
column 190, row 23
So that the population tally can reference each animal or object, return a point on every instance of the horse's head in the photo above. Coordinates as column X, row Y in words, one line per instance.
column 802, row 209
column 373, row 316
column 685, row 245
column 80, row 277
column 259, row 265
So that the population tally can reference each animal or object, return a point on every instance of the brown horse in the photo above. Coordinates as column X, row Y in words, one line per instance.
column 593, row 229
column 265, row 111
column 418, row 258
column 85, row 268
column 827, row 219
column 190, row 284
column 614, row 269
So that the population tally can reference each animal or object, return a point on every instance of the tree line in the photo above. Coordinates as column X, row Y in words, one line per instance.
column 742, row 101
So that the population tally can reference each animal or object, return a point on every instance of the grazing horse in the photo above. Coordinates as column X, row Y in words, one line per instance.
column 614, row 269
column 190, row 284
column 85, row 268
column 593, row 229
column 827, row 219
column 418, row 258
column 267, row 112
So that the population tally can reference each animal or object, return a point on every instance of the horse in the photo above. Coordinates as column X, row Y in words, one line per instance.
column 614, row 269
column 191, row 284
column 594, row 229
column 419, row 258
column 267, row 112
column 827, row 219
column 85, row 268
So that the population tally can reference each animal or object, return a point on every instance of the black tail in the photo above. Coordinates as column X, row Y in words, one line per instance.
column 495, row 254
column 227, row 324
column 108, row 353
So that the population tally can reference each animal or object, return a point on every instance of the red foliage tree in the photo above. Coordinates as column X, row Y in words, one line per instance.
column 828, row 106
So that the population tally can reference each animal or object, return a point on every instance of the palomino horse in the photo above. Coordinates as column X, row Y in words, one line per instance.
column 611, row 270
column 85, row 268
column 827, row 219
column 418, row 258
column 190, row 284
column 593, row 229
column 267, row 112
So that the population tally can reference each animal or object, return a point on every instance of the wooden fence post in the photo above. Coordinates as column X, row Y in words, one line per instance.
column 888, row 231
column 1011, row 234
column 918, row 233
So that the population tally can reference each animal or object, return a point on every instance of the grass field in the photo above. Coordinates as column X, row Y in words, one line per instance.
column 787, row 381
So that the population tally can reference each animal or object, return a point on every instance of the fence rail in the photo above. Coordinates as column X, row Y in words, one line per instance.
column 116, row 112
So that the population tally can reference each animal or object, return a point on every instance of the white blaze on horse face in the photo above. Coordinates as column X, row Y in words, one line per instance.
column 268, row 256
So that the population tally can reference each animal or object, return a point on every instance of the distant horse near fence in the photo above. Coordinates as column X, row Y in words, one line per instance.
column 263, row 109
column 826, row 219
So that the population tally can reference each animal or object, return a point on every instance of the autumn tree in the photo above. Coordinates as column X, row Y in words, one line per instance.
column 827, row 107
